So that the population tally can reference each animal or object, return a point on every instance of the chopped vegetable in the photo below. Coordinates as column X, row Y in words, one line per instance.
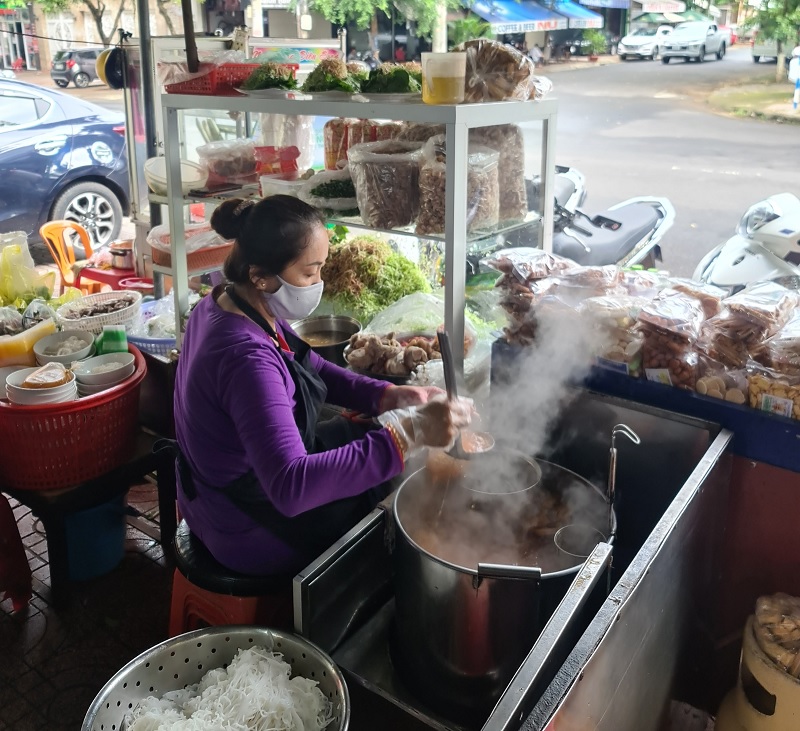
column 335, row 189
column 391, row 79
column 331, row 75
column 364, row 276
column 270, row 76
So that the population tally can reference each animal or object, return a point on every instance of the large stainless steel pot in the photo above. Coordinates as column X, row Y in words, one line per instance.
column 463, row 627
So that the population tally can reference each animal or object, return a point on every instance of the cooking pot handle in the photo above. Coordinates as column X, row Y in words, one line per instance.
column 503, row 571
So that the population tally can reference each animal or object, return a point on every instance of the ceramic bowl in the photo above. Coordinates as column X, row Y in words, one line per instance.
column 83, row 371
column 42, row 346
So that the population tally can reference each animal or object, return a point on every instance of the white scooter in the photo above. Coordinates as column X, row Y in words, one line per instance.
column 766, row 247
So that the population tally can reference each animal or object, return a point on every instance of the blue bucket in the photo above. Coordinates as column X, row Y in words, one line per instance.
column 96, row 539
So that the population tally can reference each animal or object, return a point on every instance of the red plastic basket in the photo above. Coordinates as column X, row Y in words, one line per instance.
column 221, row 79
column 62, row 445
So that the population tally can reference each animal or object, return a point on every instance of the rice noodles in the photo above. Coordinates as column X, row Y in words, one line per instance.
column 254, row 693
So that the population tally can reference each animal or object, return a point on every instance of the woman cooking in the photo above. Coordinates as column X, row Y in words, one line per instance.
column 264, row 486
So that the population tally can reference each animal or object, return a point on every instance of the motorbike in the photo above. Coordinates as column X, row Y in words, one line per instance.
column 765, row 247
column 627, row 234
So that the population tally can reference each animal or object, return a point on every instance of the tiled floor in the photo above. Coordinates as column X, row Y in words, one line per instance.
column 52, row 664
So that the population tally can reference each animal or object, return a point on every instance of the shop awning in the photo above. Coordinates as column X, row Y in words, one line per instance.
column 510, row 16
column 616, row 4
column 577, row 15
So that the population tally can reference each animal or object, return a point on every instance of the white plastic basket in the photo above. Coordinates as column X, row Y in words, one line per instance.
column 125, row 317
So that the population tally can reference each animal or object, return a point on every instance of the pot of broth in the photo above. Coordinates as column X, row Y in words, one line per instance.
column 478, row 573
column 328, row 335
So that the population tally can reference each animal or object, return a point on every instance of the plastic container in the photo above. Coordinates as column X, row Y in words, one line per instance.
column 155, row 173
column 443, row 77
column 278, row 185
column 153, row 346
column 95, row 324
column 217, row 80
column 95, row 539
column 138, row 284
column 202, row 259
column 58, row 446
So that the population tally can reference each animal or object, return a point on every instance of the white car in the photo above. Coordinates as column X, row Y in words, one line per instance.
column 693, row 41
column 643, row 43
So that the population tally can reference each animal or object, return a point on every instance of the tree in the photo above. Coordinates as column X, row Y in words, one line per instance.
column 780, row 21
column 423, row 12
column 96, row 9
column 470, row 27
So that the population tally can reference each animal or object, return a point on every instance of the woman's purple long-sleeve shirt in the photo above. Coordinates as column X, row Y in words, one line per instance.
column 234, row 411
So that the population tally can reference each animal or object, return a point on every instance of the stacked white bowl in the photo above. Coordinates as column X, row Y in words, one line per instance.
column 97, row 374
column 44, row 348
column 38, row 396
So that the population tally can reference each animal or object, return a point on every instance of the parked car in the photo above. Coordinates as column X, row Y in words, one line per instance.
column 693, row 41
column 732, row 33
column 643, row 43
column 767, row 48
column 61, row 158
column 75, row 65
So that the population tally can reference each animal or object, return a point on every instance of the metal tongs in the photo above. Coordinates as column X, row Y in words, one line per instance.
column 626, row 431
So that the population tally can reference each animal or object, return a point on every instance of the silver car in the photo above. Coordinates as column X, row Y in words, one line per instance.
column 643, row 43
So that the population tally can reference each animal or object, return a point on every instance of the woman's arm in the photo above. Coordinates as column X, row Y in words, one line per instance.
column 253, row 392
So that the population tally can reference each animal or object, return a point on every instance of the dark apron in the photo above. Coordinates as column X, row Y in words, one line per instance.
column 312, row 532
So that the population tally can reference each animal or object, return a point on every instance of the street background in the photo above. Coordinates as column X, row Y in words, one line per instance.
column 644, row 128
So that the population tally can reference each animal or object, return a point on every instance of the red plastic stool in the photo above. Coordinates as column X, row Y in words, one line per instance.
column 206, row 594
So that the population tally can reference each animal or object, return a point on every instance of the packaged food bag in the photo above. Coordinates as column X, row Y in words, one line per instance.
column 335, row 140
column 386, row 177
column 528, row 264
column 483, row 197
column 229, row 161
column 331, row 191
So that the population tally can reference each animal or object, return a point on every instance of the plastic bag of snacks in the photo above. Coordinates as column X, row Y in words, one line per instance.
column 331, row 190
column 528, row 264
column 670, row 324
column 615, row 318
column 709, row 296
column 280, row 130
column 772, row 391
column 508, row 140
column 720, row 381
column 483, row 201
column 642, row 283
column 386, row 177
column 497, row 71
column 580, row 283
column 419, row 131
column 777, row 630
column 758, row 312
column 229, row 161
column 548, row 311
column 360, row 131
column 335, row 139
column 782, row 350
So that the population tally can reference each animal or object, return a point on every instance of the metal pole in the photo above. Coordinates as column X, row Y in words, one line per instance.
column 188, row 32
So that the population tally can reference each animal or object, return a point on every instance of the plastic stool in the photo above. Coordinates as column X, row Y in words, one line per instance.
column 206, row 594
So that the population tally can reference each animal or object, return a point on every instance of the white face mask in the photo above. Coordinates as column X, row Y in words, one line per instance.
column 294, row 303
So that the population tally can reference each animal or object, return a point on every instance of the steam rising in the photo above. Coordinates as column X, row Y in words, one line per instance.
column 454, row 518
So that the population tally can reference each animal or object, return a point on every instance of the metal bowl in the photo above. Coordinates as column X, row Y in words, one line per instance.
column 183, row 660
column 335, row 329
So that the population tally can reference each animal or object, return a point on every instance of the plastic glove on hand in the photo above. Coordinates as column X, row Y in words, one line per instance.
column 435, row 424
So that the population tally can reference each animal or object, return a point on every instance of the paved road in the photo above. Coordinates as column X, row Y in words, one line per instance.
column 642, row 128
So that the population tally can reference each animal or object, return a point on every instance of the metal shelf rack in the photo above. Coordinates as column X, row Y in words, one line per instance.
column 457, row 120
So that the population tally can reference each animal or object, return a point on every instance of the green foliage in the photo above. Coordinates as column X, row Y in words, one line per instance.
column 361, row 12
column 777, row 19
column 468, row 28
column 597, row 41
column 270, row 76
column 391, row 80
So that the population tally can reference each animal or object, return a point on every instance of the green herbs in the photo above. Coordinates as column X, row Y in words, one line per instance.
column 364, row 276
column 335, row 189
column 391, row 79
column 331, row 75
column 270, row 76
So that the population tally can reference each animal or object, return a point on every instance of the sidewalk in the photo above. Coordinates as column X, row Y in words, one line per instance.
column 578, row 62
column 771, row 102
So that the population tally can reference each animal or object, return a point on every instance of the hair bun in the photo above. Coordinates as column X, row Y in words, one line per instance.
column 230, row 217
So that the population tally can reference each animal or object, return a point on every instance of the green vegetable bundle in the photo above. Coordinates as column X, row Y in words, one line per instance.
column 331, row 75
column 364, row 276
column 392, row 79
column 270, row 76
